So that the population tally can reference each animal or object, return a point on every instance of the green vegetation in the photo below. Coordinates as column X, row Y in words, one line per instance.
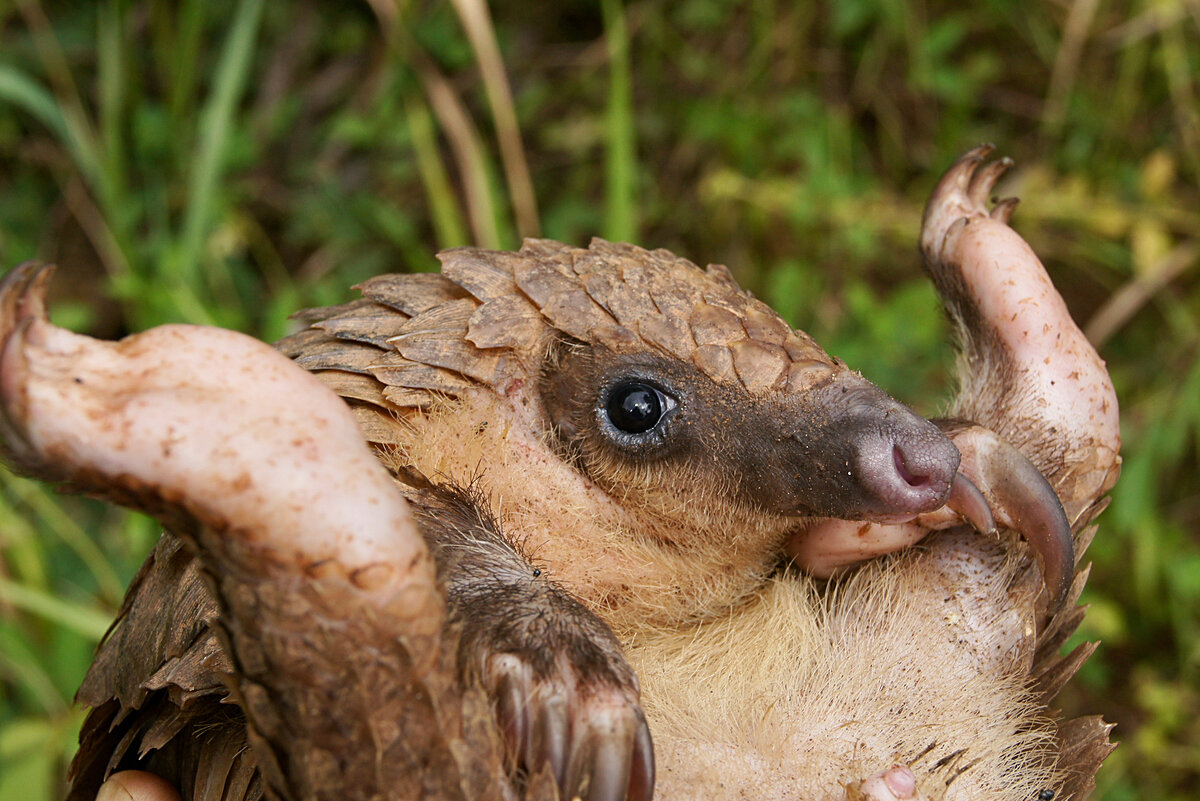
column 230, row 161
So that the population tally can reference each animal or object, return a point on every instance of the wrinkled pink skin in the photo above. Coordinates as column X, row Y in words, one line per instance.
column 326, row 490
column 305, row 534
column 1063, row 384
column 219, row 420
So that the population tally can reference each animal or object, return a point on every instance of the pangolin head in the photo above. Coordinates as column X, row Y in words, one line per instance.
column 645, row 370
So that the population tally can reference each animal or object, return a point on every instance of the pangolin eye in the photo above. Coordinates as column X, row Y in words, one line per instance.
column 635, row 408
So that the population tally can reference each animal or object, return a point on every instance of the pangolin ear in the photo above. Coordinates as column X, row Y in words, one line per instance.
column 563, row 383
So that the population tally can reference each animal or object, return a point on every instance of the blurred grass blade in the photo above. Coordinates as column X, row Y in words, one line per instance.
column 111, row 84
column 33, row 753
column 81, row 140
column 86, row 620
column 477, row 22
column 1179, row 67
column 22, row 549
column 443, row 205
column 19, row 89
column 1066, row 63
column 620, row 221
column 216, row 124
column 178, row 30
column 452, row 116
column 1123, row 304
column 22, row 91
column 57, row 521
column 22, row 665
column 468, row 152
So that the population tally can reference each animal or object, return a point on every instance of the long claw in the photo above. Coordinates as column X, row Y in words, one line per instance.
column 1038, row 514
column 641, row 776
column 592, row 737
column 969, row 502
column 1022, row 499
column 610, row 770
column 550, row 737
column 579, row 764
column 960, row 194
column 511, row 709
column 960, row 172
column 983, row 180
column 1004, row 208
column 23, row 294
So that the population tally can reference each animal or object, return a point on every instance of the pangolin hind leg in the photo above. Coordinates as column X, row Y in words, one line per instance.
column 1028, row 377
column 1027, row 371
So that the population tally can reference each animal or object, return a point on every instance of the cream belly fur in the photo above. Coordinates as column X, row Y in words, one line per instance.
column 770, row 702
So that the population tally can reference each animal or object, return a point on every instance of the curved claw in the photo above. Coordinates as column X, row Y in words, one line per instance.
column 962, row 194
column 1020, row 498
column 23, row 294
column 984, row 179
column 616, row 764
column 610, row 771
column 1004, row 208
column 959, row 176
column 594, row 739
column 22, row 306
column 551, row 735
column 641, row 777
column 971, row 505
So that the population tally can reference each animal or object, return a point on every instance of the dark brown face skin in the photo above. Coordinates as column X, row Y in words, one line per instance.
column 841, row 448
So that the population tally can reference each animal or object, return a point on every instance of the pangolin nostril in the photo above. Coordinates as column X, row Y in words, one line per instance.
column 914, row 478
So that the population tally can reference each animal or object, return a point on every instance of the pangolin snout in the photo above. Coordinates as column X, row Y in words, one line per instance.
column 868, row 456
column 909, row 468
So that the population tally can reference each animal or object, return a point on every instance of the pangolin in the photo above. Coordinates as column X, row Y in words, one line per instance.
column 590, row 470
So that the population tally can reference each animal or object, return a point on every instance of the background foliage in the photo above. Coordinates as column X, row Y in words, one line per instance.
column 229, row 161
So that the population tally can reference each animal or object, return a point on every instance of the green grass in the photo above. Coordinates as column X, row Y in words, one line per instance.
column 230, row 161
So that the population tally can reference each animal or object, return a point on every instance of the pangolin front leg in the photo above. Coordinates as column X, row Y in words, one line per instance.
column 307, row 542
column 565, row 697
column 1036, row 424
column 1027, row 371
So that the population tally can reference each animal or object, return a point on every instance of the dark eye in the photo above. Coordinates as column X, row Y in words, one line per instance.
column 635, row 408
